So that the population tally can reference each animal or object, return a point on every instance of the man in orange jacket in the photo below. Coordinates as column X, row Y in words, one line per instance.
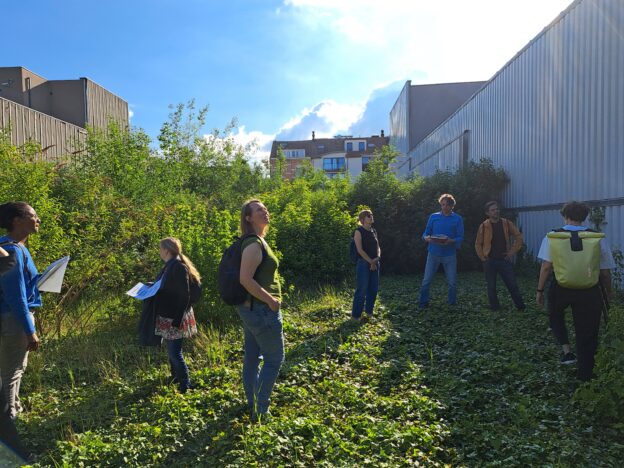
column 498, row 240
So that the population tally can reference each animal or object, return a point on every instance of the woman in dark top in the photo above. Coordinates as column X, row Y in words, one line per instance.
column 367, row 266
column 261, row 316
column 175, row 319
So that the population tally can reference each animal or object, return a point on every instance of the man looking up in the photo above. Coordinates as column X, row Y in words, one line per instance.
column 498, row 240
column 444, row 234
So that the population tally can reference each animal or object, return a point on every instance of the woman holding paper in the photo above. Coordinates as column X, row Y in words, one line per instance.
column 19, row 297
column 175, row 319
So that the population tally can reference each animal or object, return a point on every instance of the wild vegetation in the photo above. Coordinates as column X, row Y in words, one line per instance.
column 459, row 387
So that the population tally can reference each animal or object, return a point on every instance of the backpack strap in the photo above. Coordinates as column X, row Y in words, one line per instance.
column 264, row 256
column 20, row 248
column 576, row 243
column 262, row 246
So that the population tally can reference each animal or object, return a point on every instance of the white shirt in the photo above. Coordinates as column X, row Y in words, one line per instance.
column 606, row 257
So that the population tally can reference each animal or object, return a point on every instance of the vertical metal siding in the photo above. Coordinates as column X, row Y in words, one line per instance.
column 103, row 105
column 553, row 119
column 399, row 128
column 26, row 124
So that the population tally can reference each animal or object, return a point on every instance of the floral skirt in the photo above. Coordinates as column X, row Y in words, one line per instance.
column 187, row 328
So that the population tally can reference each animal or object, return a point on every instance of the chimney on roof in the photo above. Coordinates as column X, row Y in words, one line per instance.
column 382, row 133
column 313, row 134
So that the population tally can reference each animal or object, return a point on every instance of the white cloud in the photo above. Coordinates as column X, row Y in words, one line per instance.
column 450, row 40
column 427, row 42
column 326, row 119
column 257, row 144
column 130, row 113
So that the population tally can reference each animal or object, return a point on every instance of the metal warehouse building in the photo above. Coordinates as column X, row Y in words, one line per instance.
column 552, row 118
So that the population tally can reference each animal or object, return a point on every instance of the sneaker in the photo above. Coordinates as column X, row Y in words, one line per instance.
column 568, row 358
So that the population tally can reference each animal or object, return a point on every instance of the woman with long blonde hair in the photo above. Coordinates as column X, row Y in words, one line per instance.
column 175, row 319
column 260, row 313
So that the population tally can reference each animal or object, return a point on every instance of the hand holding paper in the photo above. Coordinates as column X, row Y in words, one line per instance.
column 142, row 291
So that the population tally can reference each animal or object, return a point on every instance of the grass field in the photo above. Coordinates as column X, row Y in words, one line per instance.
column 459, row 386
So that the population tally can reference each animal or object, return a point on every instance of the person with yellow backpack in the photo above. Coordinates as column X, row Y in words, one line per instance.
column 581, row 261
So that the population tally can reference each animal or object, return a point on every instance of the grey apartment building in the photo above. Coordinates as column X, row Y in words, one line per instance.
column 55, row 113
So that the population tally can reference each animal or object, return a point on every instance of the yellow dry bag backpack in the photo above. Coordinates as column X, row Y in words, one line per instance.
column 575, row 256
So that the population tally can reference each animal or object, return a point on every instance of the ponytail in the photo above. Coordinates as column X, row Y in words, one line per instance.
column 193, row 273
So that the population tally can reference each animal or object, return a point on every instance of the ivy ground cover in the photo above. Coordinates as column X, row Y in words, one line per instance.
column 460, row 386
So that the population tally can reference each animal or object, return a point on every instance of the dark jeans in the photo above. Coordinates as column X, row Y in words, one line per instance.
column 586, row 307
column 179, row 369
column 367, row 285
column 494, row 266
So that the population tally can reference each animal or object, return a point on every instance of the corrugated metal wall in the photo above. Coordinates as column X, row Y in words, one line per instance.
column 399, row 127
column 102, row 105
column 553, row 118
column 57, row 138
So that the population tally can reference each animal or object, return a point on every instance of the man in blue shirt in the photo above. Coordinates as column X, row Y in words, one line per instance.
column 444, row 234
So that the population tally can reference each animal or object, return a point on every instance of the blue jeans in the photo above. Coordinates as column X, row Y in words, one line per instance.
column 263, row 337
column 179, row 369
column 366, row 287
column 449, row 263
column 491, row 267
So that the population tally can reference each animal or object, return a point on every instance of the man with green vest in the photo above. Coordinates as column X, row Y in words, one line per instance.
column 582, row 263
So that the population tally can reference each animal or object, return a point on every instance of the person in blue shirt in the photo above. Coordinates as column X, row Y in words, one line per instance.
column 444, row 234
column 8, row 431
column 19, row 296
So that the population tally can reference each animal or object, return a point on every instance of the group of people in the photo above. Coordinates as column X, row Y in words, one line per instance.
column 497, row 242
column 173, row 320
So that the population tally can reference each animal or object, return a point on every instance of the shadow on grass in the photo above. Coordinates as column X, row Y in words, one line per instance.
column 216, row 441
column 496, row 375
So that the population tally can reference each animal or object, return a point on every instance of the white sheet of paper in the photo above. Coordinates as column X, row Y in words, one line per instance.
column 51, row 279
column 142, row 291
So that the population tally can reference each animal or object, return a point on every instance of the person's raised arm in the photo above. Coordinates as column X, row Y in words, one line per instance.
column 250, row 260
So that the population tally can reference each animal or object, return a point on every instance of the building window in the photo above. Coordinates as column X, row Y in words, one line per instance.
column 349, row 146
column 365, row 161
column 362, row 146
column 333, row 164
column 295, row 153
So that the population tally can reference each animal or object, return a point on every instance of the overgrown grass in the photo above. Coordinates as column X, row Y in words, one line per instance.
column 459, row 386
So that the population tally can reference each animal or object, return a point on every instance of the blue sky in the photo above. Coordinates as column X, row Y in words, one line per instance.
column 281, row 68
